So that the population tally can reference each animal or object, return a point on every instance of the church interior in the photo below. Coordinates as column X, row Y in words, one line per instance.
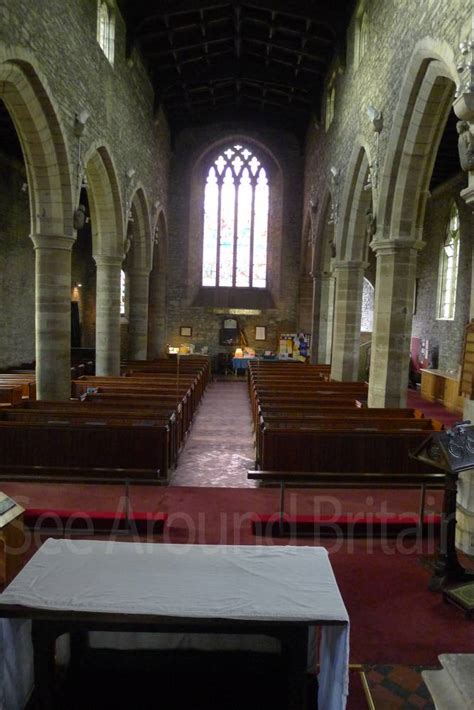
column 236, row 354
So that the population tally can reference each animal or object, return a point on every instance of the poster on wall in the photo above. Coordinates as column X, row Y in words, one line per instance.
column 294, row 345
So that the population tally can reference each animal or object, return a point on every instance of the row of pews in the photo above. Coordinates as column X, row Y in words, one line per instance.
column 135, row 424
column 312, row 431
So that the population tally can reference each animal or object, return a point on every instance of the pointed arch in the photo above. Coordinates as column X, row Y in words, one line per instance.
column 157, row 321
column 141, row 249
column 356, row 202
column 261, row 295
column 29, row 103
column 419, row 121
column 108, row 232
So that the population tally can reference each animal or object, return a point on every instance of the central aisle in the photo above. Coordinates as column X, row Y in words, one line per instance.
column 220, row 448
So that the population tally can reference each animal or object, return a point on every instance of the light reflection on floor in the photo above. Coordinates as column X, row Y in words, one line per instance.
column 220, row 449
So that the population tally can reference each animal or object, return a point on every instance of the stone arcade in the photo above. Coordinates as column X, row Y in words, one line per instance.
column 114, row 115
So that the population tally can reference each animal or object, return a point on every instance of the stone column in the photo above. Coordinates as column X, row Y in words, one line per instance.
column 393, row 314
column 349, row 277
column 323, row 314
column 107, row 334
column 53, row 316
column 138, row 313
column 157, row 315
column 464, row 108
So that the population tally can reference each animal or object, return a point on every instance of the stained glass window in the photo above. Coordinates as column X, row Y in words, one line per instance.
column 448, row 268
column 235, row 237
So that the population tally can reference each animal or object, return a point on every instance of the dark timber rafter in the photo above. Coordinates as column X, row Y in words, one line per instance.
column 265, row 56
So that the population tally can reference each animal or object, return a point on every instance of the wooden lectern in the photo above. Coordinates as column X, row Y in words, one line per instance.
column 12, row 538
column 453, row 452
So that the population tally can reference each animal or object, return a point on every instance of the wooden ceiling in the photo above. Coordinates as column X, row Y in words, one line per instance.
column 257, row 61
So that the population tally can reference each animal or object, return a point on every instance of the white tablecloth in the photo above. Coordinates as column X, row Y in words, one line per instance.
column 255, row 583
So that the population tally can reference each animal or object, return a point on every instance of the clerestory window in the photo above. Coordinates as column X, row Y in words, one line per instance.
column 106, row 29
column 361, row 37
column 448, row 268
column 235, row 232
column 123, row 293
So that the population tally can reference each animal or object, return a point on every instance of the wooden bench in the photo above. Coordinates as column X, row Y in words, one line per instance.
column 74, row 417
column 111, row 446
column 340, row 451
column 91, row 411
column 328, row 422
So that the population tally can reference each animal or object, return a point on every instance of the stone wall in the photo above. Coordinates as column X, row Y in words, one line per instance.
column 396, row 29
column 445, row 336
column 185, row 240
column 17, row 267
column 56, row 41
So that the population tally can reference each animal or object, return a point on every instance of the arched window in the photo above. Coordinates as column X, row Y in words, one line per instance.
column 368, row 297
column 448, row 268
column 106, row 29
column 330, row 105
column 361, row 44
column 235, row 233
column 123, row 292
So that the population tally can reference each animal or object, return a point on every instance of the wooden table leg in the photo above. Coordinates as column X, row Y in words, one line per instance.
column 295, row 652
column 44, row 646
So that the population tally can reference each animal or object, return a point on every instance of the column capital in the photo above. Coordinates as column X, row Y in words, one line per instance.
column 321, row 275
column 52, row 241
column 104, row 260
column 394, row 246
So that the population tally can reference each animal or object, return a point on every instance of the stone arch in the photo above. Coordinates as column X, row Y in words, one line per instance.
column 157, row 322
column 323, row 281
column 418, row 124
column 141, row 247
column 108, row 245
column 137, row 267
column 198, row 173
column 29, row 102
column 107, row 214
column 352, row 230
column 419, row 121
column 305, row 284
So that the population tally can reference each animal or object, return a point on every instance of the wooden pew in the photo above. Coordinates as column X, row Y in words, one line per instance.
column 340, row 451
column 337, row 419
column 111, row 446
column 91, row 411
column 11, row 394
column 79, row 416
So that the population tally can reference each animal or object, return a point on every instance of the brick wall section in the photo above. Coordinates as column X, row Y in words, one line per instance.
column 445, row 336
column 185, row 233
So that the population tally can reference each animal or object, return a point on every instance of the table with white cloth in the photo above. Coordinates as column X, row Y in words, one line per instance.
column 282, row 592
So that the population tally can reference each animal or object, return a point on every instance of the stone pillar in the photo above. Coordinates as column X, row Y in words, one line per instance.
column 347, row 316
column 393, row 314
column 465, row 496
column 107, row 334
column 53, row 316
column 138, row 313
column 323, row 314
column 464, row 109
column 157, row 315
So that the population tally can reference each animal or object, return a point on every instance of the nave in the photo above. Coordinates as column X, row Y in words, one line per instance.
column 379, row 579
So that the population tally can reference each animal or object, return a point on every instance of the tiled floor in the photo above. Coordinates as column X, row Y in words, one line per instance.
column 220, row 449
column 398, row 688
